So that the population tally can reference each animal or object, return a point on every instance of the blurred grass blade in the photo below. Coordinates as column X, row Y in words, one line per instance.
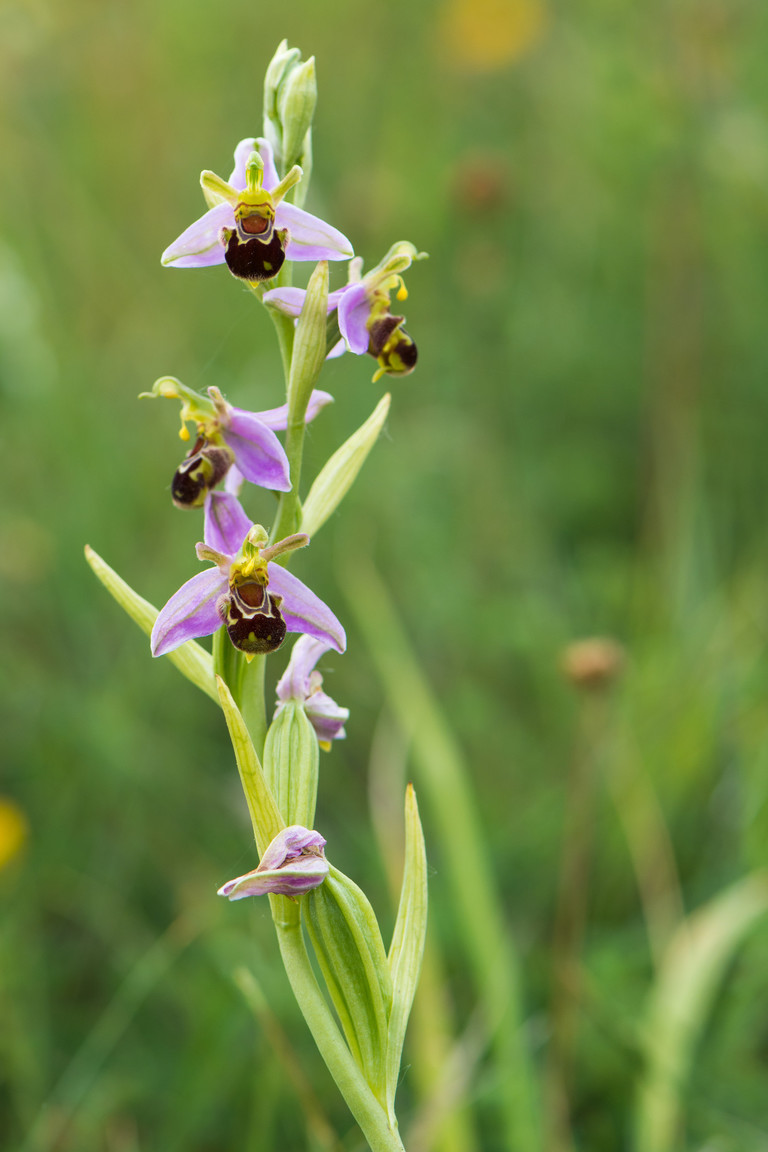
column 444, row 779
column 265, row 815
column 340, row 472
column 407, row 948
column 347, row 941
column 682, row 999
column 191, row 658
column 319, row 1127
column 55, row 1125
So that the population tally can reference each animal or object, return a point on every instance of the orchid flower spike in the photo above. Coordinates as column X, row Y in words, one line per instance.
column 294, row 862
column 256, row 600
column 364, row 307
column 228, row 436
column 249, row 226
column 302, row 683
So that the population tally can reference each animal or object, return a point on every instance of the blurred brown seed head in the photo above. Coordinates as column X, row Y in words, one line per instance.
column 593, row 663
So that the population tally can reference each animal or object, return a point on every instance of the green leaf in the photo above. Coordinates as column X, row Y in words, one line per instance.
column 407, row 946
column 191, row 658
column 682, row 999
column 265, row 815
column 347, row 941
column 291, row 758
column 340, row 472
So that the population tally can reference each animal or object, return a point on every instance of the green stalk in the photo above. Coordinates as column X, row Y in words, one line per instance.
column 306, row 362
column 350, row 1081
column 252, row 703
column 285, row 333
column 228, row 663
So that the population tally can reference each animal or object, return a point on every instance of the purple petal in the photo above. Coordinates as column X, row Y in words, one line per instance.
column 311, row 238
column 199, row 246
column 190, row 612
column 301, row 875
column 277, row 418
column 326, row 717
column 233, row 481
column 242, row 152
column 226, row 524
column 354, row 310
column 292, row 863
column 291, row 300
column 264, row 149
column 337, row 350
column 303, row 611
column 294, row 683
column 258, row 453
column 288, row 844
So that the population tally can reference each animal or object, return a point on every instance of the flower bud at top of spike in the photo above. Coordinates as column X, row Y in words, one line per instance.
column 294, row 862
column 282, row 63
column 297, row 100
column 290, row 98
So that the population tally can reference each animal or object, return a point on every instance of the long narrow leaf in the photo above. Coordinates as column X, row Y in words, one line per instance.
column 340, row 472
column 407, row 948
column 265, row 815
column 347, row 941
column 191, row 659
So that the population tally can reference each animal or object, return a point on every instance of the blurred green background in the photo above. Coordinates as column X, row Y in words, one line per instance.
column 581, row 451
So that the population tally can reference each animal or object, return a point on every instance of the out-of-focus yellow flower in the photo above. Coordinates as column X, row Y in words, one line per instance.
column 481, row 35
column 13, row 831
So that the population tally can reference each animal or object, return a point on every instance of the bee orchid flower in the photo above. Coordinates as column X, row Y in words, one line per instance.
column 364, row 313
column 229, row 437
column 257, row 600
column 249, row 226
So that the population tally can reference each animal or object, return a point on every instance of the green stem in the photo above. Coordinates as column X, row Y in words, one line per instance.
column 360, row 1099
column 228, row 663
column 289, row 508
column 252, row 705
column 285, row 329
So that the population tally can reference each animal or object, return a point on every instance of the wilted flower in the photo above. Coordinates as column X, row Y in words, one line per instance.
column 250, row 226
column 302, row 683
column 228, row 436
column 365, row 319
column 293, row 863
column 257, row 600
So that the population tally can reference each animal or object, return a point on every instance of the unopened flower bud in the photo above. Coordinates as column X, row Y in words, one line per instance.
column 290, row 98
column 284, row 60
column 297, row 100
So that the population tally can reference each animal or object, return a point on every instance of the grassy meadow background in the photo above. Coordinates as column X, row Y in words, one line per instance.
column 581, row 452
